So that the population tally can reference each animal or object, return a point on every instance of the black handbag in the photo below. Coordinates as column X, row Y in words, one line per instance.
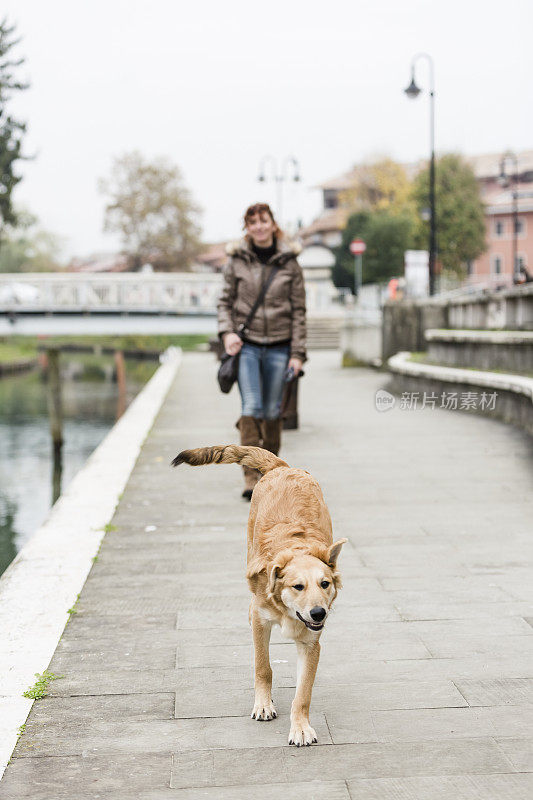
column 228, row 370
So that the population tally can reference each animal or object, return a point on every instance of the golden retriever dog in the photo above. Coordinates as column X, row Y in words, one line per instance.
column 292, row 571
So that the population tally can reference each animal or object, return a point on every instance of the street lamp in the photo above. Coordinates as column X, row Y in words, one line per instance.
column 279, row 176
column 412, row 92
column 504, row 181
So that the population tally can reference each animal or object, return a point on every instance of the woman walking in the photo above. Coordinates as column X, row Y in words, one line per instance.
column 274, row 340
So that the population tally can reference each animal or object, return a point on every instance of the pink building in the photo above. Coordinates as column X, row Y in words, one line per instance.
column 495, row 265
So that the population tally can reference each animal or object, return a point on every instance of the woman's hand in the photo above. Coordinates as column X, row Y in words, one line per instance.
column 296, row 364
column 232, row 343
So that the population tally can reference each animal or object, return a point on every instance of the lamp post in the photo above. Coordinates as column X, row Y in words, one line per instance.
column 413, row 91
column 504, row 181
column 279, row 175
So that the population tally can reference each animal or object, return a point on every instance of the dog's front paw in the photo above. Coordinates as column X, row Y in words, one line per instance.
column 263, row 710
column 302, row 734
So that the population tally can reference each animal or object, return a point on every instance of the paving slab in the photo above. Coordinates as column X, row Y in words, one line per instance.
column 424, row 685
column 498, row 692
column 113, row 775
column 444, row 787
column 225, row 767
column 518, row 751
column 230, row 700
column 429, row 723
column 310, row 790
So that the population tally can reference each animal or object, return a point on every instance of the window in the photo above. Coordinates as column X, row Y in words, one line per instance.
column 331, row 199
column 499, row 227
column 469, row 267
column 497, row 265
column 520, row 226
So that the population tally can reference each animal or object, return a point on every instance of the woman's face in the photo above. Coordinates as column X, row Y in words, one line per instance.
column 261, row 228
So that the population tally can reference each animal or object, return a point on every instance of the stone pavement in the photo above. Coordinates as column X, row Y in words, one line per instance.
column 425, row 685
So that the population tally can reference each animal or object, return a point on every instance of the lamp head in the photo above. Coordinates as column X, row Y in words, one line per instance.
column 412, row 90
column 503, row 178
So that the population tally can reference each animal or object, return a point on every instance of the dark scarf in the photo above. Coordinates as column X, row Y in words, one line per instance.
column 264, row 254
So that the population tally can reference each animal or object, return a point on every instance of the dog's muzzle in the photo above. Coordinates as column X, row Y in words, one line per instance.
column 313, row 626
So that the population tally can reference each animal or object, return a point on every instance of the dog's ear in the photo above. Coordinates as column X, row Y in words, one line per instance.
column 256, row 568
column 273, row 575
column 333, row 552
column 275, row 568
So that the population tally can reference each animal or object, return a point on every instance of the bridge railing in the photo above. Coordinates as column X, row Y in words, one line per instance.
column 131, row 292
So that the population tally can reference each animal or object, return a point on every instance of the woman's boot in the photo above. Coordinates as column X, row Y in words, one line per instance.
column 250, row 429
column 271, row 429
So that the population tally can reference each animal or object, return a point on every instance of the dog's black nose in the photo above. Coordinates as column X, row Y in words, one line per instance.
column 317, row 613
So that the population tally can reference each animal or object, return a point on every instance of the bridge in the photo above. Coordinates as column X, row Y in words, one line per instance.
column 63, row 303
column 135, row 303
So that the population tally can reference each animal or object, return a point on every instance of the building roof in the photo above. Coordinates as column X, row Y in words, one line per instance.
column 340, row 182
column 333, row 219
column 214, row 255
column 100, row 262
column 486, row 165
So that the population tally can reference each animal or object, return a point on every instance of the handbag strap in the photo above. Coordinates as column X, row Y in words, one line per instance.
column 260, row 297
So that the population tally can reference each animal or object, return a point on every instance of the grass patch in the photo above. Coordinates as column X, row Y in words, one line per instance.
column 109, row 528
column 132, row 342
column 40, row 688
column 420, row 358
column 350, row 361
column 22, row 348
column 13, row 352
column 73, row 610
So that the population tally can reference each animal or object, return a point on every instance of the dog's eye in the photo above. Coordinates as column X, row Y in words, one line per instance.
column 299, row 587
column 324, row 584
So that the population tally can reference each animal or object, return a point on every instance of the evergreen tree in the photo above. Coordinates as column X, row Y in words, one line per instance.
column 343, row 272
column 387, row 236
column 11, row 130
column 459, row 213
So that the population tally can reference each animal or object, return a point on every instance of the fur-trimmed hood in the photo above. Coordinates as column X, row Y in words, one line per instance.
column 284, row 252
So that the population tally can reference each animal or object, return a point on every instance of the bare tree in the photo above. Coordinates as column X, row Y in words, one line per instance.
column 153, row 211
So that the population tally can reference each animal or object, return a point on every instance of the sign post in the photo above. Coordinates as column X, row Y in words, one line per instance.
column 357, row 248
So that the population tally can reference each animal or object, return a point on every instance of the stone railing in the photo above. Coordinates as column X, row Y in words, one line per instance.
column 510, row 309
column 511, row 351
column 406, row 322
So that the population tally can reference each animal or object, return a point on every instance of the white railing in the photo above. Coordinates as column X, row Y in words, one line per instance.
column 130, row 292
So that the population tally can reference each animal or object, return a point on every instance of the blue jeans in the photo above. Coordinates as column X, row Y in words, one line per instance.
column 261, row 379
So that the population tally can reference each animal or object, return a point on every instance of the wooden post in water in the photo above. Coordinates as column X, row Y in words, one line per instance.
column 55, row 413
column 121, row 382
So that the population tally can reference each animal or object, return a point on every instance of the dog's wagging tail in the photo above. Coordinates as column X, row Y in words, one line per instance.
column 254, row 457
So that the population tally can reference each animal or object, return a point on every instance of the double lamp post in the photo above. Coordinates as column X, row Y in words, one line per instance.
column 413, row 91
column 280, row 174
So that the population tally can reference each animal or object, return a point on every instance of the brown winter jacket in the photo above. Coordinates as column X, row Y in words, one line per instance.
column 281, row 317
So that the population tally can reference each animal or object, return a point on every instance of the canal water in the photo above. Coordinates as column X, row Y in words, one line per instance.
column 91, row 405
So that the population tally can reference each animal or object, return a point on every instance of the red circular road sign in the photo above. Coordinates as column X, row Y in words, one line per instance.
column 357, row 247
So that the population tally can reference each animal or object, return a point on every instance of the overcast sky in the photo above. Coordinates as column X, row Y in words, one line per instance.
column 217, row 85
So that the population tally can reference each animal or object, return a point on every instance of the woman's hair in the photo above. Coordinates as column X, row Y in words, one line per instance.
column 261, row 208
